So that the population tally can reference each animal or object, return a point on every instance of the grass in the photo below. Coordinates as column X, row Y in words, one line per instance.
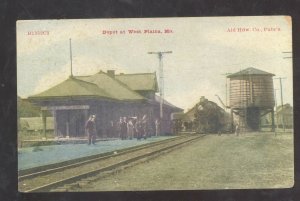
column 256, row 160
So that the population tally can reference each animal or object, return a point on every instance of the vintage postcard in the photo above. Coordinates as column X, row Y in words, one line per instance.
column 151, row 104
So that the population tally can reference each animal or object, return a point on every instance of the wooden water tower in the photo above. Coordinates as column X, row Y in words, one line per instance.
column 251, row 96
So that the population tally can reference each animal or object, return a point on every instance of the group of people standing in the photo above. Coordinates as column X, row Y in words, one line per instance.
column 125, row 128
column 133, row 127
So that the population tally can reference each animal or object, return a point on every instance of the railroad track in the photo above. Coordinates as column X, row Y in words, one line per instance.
column 76, row 172
column 45, row 169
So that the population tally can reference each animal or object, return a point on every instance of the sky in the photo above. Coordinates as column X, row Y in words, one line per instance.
column 203, row 50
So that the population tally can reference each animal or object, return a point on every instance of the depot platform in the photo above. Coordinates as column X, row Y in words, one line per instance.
column 58, row 141
column 30, row 157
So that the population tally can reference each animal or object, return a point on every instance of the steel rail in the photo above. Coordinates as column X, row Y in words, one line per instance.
column 72, row 179
column 47, row 169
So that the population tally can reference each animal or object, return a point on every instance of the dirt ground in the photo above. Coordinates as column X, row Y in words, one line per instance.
column 256, row 160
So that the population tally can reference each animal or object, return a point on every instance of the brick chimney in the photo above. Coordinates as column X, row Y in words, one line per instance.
column 111, row 73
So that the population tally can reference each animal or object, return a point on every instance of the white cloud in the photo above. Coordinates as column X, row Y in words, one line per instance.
column 50, row 80
column 81, row 65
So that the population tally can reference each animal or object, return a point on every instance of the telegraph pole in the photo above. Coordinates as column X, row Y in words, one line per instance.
column 226, row 88
column 161, row 78
column 71, row 57
column 280, row 78
column 282, row 119
column 276, row 108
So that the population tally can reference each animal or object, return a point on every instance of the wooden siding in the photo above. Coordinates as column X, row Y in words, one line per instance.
column 252, row 90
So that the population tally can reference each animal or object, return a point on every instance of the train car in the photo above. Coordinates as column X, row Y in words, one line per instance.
column 177, row 124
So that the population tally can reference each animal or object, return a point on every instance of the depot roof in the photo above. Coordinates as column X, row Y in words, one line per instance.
column 101, row 84
column 115, row 88
column 72, row 87
column 140, row 81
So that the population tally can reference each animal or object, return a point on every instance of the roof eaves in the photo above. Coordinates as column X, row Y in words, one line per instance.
column 44, row 98
column 134, row 100
column 134, row 74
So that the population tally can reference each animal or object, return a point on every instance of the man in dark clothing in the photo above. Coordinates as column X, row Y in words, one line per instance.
column 119, row 123
column 139, row 129
column 124, row 129
column 157, row 127
column 145, row 127
column 90, row 128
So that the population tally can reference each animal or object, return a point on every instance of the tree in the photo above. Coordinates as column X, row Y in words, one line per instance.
column 27, row 109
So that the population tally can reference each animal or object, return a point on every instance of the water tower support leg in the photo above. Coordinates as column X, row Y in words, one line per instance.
column 231, row 116
column 273, row 124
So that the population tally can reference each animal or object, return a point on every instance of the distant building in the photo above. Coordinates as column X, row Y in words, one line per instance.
column 283, row 116
column 108, row 96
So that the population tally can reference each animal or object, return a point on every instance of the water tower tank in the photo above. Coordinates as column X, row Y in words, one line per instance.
column 251, row 94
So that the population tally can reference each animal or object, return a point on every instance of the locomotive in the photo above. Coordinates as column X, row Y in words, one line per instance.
column 210, row 118
column 206, row 117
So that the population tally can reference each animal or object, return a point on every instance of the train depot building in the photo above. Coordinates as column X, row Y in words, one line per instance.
column 108, row 96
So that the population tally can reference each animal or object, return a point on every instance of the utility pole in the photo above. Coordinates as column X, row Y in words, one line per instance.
column 287, row 57
column 161, row 78
column 282, row 119
column 280, row 78
column 276, row 108
column 71, row 57
column 226, row 86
